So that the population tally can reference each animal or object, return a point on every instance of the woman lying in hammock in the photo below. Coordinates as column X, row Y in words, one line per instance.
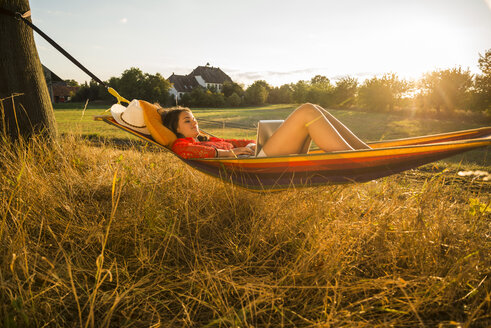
column 307, row 121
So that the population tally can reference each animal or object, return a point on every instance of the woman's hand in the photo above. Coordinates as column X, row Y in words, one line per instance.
column 235, row 152
column 252, row 146
column 243, row 151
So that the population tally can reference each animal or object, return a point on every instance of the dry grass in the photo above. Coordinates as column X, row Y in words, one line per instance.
column 104, row 237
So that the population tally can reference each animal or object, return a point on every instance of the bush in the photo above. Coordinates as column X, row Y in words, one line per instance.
column 218, row 100
column 233, row 100
column 230, row 88
column 281, row 95
column 257, row 93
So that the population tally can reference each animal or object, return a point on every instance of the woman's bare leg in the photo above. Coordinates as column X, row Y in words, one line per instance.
column 307, row 120
column 346, row 133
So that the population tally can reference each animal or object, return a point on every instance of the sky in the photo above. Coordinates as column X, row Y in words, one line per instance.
column 279, row 41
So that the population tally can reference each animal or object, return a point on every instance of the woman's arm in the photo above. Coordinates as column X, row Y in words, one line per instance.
column 186, row 149
column 235, row 152
column 240, row 142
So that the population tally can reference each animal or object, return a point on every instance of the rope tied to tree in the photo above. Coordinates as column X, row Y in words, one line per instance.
column 24, row 17
column 15, row 14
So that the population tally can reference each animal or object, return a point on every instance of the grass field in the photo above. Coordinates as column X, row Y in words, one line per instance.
column 99, row 236
column 368, row 126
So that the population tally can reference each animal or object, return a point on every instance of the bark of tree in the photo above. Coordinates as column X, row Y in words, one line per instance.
column 25, row 109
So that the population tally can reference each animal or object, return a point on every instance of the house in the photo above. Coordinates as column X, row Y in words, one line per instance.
column 62, row 92
column 207, row 77
column 59, row 90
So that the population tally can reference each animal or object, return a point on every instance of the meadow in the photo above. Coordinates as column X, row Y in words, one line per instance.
column 368, row 126
column 98, row 233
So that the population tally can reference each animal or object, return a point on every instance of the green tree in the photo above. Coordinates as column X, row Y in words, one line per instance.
column 230, row 88
column 201, row 97
column 91, row 91
column 286, row 94
column 397, row 87
column 198, row 97
column 30, row 112
column 484, row 62
column 320, row 91
column 320, row 81
column 218, row 100
column 257, row 93
column 82, row 93
column 482, row 84
column 374, row 95
column 233, row 100
column 300, row 91
column 281, row 95
column 186, row 100
column 447, row 89
column 263, row 84
column 72, row 83
column 382, row 94
column 345, row 92
column 133, row 84
column 155, row 88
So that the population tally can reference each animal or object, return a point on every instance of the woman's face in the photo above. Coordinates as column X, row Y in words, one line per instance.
column 187, row 125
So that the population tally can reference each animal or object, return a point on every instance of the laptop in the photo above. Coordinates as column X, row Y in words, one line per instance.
column 266, row 128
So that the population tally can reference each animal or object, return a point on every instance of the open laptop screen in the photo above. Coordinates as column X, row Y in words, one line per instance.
column 265, row 129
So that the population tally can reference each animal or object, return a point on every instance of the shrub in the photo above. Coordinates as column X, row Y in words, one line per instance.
column 233, row 100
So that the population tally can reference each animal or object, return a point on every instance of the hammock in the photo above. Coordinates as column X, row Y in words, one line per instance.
column 320, row 168
column 315, row 168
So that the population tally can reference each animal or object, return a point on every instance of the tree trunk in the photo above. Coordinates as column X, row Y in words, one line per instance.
column 25, row 108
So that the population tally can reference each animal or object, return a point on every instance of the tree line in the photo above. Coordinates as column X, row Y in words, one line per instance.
column 441, row 90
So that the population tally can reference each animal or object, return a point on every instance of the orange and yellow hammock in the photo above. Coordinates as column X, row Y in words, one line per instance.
column 321, row 168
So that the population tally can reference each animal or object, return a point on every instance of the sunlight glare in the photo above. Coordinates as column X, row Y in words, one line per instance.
column 415, row 48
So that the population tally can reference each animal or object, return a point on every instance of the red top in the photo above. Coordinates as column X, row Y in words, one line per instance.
column 190, row 148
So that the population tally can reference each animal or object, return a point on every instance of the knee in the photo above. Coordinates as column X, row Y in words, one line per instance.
column 306, row 105
column 309, row 110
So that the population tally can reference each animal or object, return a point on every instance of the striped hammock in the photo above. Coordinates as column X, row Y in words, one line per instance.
column 320, row 168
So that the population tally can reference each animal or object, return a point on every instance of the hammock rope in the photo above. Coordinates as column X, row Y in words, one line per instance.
column 24, row 18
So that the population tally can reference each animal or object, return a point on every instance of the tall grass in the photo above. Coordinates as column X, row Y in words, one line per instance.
column 106, row 237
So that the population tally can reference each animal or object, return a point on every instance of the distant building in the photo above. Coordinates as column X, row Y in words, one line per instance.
column 62, row 92
column 202, row 76
column 59, row 90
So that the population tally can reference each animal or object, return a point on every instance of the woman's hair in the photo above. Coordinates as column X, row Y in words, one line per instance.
column 170, row 119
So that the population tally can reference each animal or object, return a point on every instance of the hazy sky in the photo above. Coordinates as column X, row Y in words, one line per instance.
column 280, row 41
